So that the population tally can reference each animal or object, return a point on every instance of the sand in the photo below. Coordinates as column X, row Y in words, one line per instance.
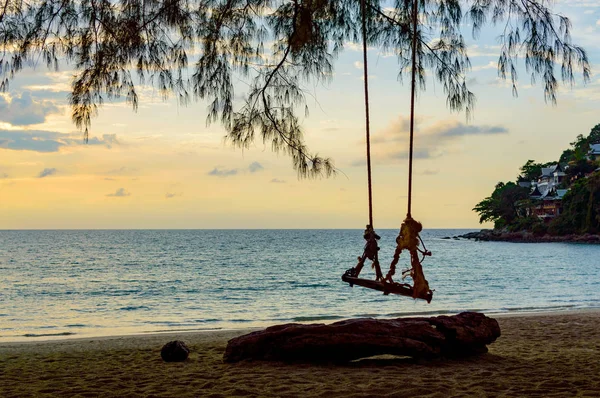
column 544, row 355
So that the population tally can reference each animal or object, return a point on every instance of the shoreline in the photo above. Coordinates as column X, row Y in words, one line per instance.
column 151, row 334
column 491, row 235
column 549, row 354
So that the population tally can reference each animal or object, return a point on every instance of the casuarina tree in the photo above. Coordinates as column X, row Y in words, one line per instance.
column 196, row 49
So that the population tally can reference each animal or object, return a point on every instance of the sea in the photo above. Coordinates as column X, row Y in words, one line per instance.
column 57, row 284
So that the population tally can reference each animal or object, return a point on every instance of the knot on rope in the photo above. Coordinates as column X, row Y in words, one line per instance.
column 370, row 252
column 409, row 239
column 409, row 234
column 371, row 247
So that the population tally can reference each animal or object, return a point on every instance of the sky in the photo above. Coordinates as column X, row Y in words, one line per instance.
column 163, row 167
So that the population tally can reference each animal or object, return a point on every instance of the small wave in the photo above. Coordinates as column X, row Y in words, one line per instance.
column 48, row 334
column 134, row 307
column 528, row 309
column 182, row 330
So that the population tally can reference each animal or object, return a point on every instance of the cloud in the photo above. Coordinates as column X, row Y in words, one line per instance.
column 598, row 22
column 461, row 129
column 417, row 154
column 472, row 81
column 358, row 65
column 254, row 167
column 47, row 172
column 277, row 181
column 170, row 195
column 119, row 193
column 108, row 140
column 429, row 172
column 222, row 172
column 24, row 110
column 489, row 65
column 434, row 139
column 484, row 51
column 49, row 141
column 124, row 170
column 219, row 172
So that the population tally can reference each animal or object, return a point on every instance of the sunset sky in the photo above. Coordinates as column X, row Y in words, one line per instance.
column 162, row 167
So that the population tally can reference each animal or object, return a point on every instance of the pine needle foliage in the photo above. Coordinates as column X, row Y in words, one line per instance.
column 197, row 49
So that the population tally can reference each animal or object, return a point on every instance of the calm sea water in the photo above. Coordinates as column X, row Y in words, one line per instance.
column 93, row 283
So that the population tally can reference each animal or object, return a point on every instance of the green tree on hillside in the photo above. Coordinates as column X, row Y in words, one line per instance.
column 502, row 207
column 531, row 171
column 581, row 208
column 594, row 137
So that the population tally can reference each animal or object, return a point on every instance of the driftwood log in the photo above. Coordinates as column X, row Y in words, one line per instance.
column 464, row 334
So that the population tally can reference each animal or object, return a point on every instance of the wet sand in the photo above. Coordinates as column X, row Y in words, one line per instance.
column 543, row 355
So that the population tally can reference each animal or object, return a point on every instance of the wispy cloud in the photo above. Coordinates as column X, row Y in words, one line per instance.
column 254, row 167
column 170, row 195
column 392, row 142
column 277, row 181
column 23, row 110
column 220, row 172
column 48, row 141
column 47, row 172
column 119, row 193
column 123, row 170
column 461, row 129
column 489, row 65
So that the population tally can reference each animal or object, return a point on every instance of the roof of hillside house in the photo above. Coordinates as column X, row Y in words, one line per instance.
column 595, row 149
column 525, row 184
column 550, row 171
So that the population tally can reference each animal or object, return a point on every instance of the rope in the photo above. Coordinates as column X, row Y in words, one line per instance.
column 412, row 105
column 366, row 86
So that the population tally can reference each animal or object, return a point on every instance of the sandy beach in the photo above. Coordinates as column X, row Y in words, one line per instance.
column 543, row 355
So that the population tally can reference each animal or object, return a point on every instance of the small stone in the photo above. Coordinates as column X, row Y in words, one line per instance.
column 174, row 351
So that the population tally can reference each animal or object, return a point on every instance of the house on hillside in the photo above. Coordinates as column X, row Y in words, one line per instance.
column 545, row 195
column 549, row 204
column 594, row 152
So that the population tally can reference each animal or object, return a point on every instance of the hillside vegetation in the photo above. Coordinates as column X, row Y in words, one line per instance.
column 510, row 206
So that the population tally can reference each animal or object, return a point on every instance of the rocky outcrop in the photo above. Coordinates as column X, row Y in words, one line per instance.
column 527, row 237
column 463, row 334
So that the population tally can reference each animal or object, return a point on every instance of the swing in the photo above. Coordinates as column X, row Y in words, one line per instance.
column 408, row 238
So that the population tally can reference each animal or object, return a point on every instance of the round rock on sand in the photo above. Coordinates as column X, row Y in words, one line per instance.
column 174, row 351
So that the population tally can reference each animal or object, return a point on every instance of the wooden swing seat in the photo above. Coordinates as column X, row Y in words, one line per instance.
column 403, row 289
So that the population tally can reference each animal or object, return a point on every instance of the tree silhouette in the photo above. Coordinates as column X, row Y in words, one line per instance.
column 195, row 49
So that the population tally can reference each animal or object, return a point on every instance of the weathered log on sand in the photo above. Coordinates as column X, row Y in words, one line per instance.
column 467, row 333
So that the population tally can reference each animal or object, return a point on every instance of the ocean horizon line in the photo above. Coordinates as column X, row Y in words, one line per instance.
column 222, row 229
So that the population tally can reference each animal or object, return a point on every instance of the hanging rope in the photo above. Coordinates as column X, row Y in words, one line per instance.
column 371, row 248
column 412, row 103
column 408, row 238
column 363, row 11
